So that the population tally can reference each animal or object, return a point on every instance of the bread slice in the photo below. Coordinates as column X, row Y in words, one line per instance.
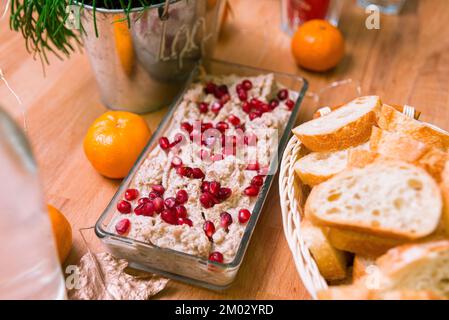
column 348, row 126
column 331, row 262
column 416, row 267
column 386, row 198
column 318, row 167
column 361, row 243
column 352, row 292
column 359, row 158
column 362, row 266
column 434, row 162
column 392, row 120
column 444, row 185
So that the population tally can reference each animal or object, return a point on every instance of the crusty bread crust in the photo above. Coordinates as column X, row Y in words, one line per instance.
column 331, row 262
column 392, row 120
column 360, row 266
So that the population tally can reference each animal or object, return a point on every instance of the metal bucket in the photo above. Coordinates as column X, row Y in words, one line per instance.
column 141, row 69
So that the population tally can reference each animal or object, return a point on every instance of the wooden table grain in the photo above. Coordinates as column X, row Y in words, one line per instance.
column 406, row 61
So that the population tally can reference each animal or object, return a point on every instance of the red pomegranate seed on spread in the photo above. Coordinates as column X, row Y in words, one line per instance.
column 255, row 103
column 243, row 96
column 239, row 87
column 234, row 120
column 222, row 126
column 186, row 221
column 253, row 115
column 210, row 88
column 170, row 202
column 131, row 194
column 206, row 200
column 283, row 94
column 182, row 196
column 224, row 193
column 124, row 206
column 158, row 204
column 187, row 127
column 181, row 211
column 169, row 216
column 205, row 186
column 197, row 173
column 216, row 107
column 226, row 220
column 253, row 166
column 145, row 209
column 244, row 215
column 214, row 187
column 290, row 104
column 176, row 162
column 164, row 143
column 224, row 99
column 206, row 126
column 216, row 257
column 257, row 181
column 122, row 226
column 158, row 189
column 203, row 107
column 246, row 107
column 184, row 171
column 264, row 108
column 143, row 200
column 209, row 228
column 251, row 191
column 274, row 104
column 247, row 84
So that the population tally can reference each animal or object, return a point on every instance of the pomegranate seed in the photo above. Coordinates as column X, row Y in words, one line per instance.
column 246, row 107
column 253, row 166
column 243, row 96
column 264, row 108
column 158, row 204
column 226, row 220
column 216, row 107
column 197, row 173
column 122, row 226
column 143, row 200
column 283, row 94
column 205, row 186
column 234, row 120
column 158, row 189
column 244, row 215
column 206, row 200
column 239, row 87
column 187, row 127
column 255, row 103
column 214, row 187
column 224, row 99
column 124, row 207
column 216, row 257
column 170, row 203
column 203, row 107
column 169, row 216
column 210, row 88
column 221, row 91
column 224, row 193
column 178, row 139
column 222, row 126
column 184, row 171
column 186, row 221
column 253, row 115
column 257, row 181
column 164, row 143
column 145, row 209
column 181, row 211
column 247, row 85
column 251, row 191
column 131, row 194
column 206, row 126
column 176, row 162
column 209, row 228
column 182, row 196
column 153, row 195
column 290, row 104
column 274, row 104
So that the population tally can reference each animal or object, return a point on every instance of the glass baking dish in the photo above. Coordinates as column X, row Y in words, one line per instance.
column 178, row 265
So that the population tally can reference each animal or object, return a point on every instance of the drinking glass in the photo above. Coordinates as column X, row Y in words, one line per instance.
column 385, row 6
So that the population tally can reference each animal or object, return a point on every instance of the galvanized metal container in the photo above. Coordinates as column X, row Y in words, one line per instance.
column 143, row 67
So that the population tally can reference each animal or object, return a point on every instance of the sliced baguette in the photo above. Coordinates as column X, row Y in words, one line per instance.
column 361, row 243
column 416, row 267
column 361, row 266
column 348, row 126
column 318, row 167
column 331, row 262
column 386, row 198
column 392, row 120
column 359, row 158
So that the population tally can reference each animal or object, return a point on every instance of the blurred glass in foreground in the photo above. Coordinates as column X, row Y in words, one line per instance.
column 29, row 266
column 385, row 6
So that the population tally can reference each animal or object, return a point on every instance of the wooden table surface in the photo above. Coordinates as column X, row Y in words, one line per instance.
column 405, row 62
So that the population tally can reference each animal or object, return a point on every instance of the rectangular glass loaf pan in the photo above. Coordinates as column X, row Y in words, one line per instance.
column 178, row 265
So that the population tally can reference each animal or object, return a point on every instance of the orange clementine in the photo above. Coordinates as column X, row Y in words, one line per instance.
column 318, row 46
column 114, row 142
column 62, row 232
